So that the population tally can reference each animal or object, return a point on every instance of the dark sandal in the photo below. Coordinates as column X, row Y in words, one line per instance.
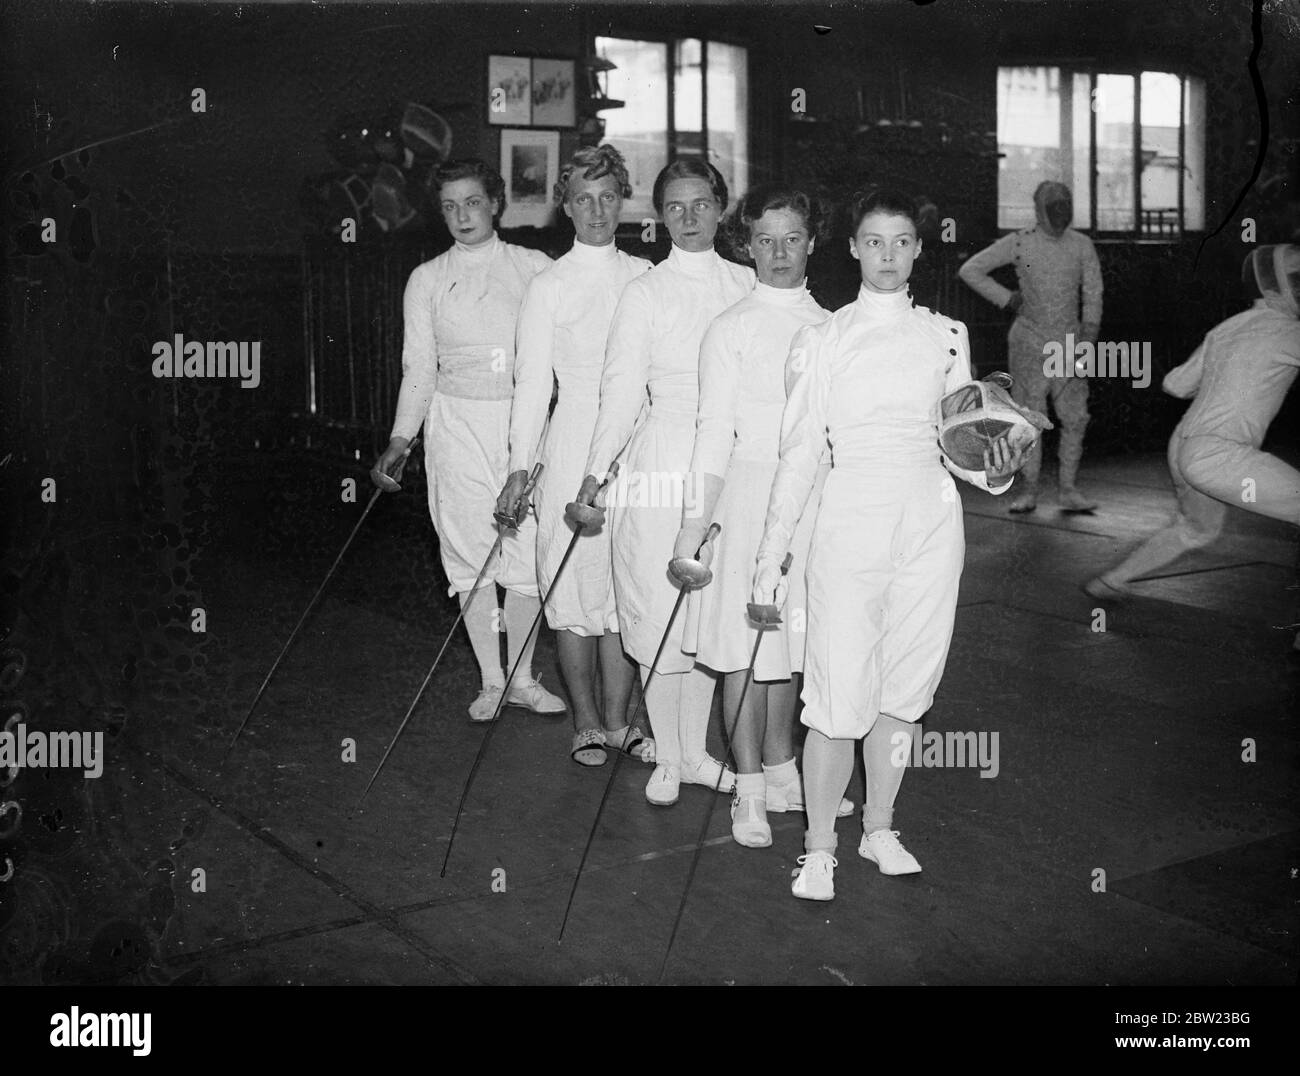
column 632, row 739
column 588, row 742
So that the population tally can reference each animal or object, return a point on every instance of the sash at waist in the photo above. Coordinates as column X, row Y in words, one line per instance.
column 887, row 462
column 477, row 373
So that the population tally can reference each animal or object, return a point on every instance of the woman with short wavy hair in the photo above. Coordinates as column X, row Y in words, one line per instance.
column 737, row 441
column 561, row 337
column 458, row 349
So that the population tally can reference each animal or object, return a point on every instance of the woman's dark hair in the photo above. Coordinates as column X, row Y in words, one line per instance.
column 473, row 168
column 882, row 200
column 593, row 162
column 766, row 196
column 690, row 168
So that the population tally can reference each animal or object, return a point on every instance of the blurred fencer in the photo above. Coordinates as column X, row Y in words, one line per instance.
column 1237, row 379
column 1056, row 267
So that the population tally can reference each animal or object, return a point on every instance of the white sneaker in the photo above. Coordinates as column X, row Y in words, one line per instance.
column 664, row 785
column 815, row 878
column 749, row 822
column 482, row 708
column 883, row 849
column 532, row 696
column 707, row 771
column 789, row 797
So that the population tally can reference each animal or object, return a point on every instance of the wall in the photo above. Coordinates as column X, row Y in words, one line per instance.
column 176, row 220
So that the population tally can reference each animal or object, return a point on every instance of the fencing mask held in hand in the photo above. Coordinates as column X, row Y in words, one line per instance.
column 976, row 414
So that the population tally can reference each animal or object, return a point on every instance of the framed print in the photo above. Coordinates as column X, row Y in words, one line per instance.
column 509, row 91
column 553, row 94
column 530, row 165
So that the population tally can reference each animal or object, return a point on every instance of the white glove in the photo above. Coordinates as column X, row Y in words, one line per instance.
column 770, row 585
column 686, row 548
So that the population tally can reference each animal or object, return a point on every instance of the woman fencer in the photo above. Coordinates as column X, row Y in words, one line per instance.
column 887, row 545
column 653, row 350
column 738, row 435
column 1237, row 378
column 561, row 334
column 458, row 349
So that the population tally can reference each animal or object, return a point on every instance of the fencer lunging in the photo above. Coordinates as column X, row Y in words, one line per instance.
column 1237, row 379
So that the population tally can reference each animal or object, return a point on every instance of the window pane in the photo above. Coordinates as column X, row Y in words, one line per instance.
column 1080, row 176
column 640, row 128
column 1194, row 154
column 1114, row 106
column 688, row 98
column 1161, row 102
column 1029, row 139
column 729, row 115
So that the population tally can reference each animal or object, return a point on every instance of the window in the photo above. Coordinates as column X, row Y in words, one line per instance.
column 684, row 97
column 1130, row 144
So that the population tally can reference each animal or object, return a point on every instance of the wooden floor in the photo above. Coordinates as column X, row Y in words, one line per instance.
column 1123, row 840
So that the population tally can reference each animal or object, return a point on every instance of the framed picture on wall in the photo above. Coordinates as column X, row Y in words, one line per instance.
column 510, row 98
column 553, row 94
column 530, row 165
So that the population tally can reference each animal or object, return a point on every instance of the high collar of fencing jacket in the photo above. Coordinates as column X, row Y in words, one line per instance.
column 482, row 252
column 588, row 257
column 884, row 306
column 782, row 296
column 694, row 262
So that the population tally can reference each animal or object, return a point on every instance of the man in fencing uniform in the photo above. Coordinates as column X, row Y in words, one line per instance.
column 1054, row 264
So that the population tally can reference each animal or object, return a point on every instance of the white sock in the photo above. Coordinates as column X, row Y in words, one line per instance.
column 661, row 705
column 520, row 612
column 695, row 703
column 787, row 773
column 482, row 634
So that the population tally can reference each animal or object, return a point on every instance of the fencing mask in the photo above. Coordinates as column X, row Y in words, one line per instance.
column 1275, row 271
column 976, row 414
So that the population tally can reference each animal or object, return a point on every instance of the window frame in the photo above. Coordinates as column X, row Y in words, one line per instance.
column 671, row 42
column 1067, row 69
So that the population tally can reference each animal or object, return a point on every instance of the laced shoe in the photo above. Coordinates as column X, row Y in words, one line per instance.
column 884, row 850
column 815, row 878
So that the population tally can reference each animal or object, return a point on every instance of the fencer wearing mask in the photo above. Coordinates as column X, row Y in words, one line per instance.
column 1054, row 265
column 1237, row 380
